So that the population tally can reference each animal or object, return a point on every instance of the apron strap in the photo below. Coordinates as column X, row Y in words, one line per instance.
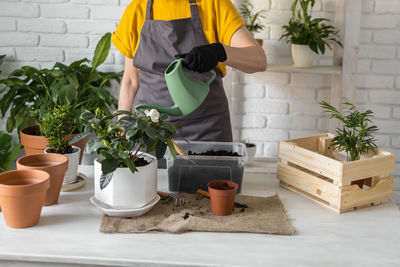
column 194, row 9
column 148, row 10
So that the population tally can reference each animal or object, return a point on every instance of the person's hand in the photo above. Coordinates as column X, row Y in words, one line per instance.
column 203, row 58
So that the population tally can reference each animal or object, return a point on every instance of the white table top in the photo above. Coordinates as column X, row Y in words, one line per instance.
column 69, row 233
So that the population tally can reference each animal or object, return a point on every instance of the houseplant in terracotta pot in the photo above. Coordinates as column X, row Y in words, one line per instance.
column 31, row 93
column 126, row 175
column 252, row 19
column 308, row 36
column 22, row 195
column 251, row 150
column 8, row 152
column 222, row 196
column 57, row 126
column 54, row 164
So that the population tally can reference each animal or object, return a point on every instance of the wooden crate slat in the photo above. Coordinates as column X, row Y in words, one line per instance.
column 382, row 164
column 309, row 183
column 353, row 196
column 313, row 161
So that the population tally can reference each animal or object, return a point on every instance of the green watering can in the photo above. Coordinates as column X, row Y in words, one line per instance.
column 186, row 92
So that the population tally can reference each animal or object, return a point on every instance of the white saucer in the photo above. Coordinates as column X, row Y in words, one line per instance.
column 109, row 211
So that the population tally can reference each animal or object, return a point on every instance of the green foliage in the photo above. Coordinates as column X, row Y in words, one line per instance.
column 303, row 30
column 355, row 136
column 31, row 93
column 8, row 152
column 57, row 125
column 252, row 19
column 119, row 142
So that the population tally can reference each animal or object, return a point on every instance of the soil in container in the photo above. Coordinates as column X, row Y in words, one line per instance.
column 221, row 186
column 215, row 153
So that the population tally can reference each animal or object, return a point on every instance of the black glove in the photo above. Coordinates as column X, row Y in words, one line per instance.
column 203, row 58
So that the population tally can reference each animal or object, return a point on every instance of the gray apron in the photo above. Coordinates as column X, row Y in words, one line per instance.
column 159, row 42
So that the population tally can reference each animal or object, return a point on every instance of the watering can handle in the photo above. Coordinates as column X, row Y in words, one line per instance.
column 212, row 77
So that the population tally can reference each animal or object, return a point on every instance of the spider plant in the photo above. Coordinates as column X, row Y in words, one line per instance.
column 355, row 137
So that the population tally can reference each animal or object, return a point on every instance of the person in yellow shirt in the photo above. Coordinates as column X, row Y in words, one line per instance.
column 207, row 34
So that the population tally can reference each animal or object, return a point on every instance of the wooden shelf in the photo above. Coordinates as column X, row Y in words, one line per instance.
column 314, row 69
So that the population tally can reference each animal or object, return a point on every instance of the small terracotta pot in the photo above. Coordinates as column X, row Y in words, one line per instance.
column 55, row 164
column 222, row 201
column 22, row 195
column 36, row 144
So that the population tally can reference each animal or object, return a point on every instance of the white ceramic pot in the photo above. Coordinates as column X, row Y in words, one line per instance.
column 73, row 163
column 251, row 152
column 302, row 55
column 127, row 189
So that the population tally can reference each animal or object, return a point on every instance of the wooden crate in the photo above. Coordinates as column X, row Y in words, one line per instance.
column 309, row 167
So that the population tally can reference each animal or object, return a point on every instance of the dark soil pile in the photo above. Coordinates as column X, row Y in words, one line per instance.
column 215, row 153
column 223, row 186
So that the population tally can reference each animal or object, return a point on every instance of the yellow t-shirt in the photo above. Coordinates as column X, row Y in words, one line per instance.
column 219, row 18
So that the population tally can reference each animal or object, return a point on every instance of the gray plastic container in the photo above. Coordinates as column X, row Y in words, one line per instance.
column 188, row 175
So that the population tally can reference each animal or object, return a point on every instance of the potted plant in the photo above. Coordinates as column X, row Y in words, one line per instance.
column 252, row 19
column 251, row 150
column 355, row 137
column 8, row 152
column 22, row 195
column 31, row 93
column 308, row 36
column 222, row 196
column 126, row 175
column 57, row 126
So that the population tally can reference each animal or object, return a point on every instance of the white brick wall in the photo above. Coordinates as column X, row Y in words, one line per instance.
column 268, row 106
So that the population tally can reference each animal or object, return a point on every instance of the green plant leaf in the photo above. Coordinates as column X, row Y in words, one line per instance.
column 105, row 179
column 101, row 52
column 131, row 165
column 161, row 148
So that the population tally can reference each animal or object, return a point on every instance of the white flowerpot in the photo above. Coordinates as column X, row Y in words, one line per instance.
column 127, row 189
column 251, row 152
column 302, row 55
column 73, row 163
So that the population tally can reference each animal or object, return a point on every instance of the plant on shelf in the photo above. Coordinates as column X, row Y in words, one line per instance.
column 252, row 19
column 57, row 126
column 8, row 152
column 355, row 137
column 31, row 93
column 308, row 36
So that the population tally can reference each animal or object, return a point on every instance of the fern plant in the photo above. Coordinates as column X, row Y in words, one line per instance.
column 355, row 137
column 252, row 19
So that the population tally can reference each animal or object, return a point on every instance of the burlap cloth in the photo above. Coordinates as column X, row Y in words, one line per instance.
column 264, row 215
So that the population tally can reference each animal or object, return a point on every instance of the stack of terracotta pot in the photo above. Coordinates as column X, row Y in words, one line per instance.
column 36, row 182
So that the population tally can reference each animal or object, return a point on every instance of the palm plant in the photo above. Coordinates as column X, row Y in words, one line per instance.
column 252, row 19
column 355, row 137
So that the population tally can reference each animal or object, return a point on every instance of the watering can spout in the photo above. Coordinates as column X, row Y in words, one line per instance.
column 171, row 111
column 186, row 92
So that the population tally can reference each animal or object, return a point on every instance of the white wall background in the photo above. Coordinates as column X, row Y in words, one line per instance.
column 268, row 106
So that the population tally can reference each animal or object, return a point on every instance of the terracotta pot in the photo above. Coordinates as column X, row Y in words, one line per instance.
column 55, row 164
column 222, row 201
column 36, row 144
column 22, row 195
